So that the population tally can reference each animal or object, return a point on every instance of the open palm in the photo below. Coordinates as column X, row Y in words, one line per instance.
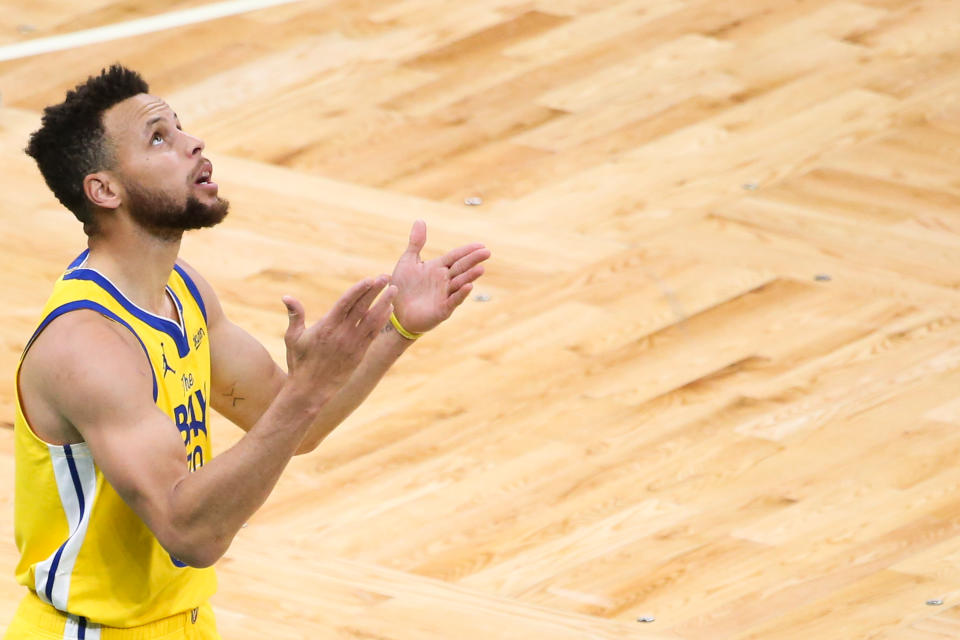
column 430, row 291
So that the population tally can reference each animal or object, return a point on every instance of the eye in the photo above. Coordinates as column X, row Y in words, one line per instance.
column 156, row 139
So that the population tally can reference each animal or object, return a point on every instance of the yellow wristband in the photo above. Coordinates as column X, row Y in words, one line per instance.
column 399, row 327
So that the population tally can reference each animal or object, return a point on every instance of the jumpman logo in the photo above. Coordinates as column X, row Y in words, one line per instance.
column 166, row 365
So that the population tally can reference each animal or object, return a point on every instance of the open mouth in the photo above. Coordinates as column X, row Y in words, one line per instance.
column 205, row 174
column 203, row 180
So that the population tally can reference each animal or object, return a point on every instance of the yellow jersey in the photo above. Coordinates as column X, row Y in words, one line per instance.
column 82, row 549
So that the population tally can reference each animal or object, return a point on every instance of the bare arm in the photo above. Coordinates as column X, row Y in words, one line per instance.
column 194, row 515
column 245, row 378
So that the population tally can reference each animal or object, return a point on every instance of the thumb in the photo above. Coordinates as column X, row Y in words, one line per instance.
column 418, row 238
column 296, row 314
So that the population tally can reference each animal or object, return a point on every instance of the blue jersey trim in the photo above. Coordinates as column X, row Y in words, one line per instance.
column 102, row 310
column 78, row 487
column 53, row 572
column 192, row 287
column 82, row 628
column 79, row 260
column 169, row 327
column 76, row 477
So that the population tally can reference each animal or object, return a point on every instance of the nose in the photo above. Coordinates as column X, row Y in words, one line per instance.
column 194, row 145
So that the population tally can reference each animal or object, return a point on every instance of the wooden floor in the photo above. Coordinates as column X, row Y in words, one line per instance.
column 711, row 375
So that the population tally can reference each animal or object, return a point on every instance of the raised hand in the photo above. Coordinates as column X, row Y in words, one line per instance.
column 430, row 291
column 327, row 353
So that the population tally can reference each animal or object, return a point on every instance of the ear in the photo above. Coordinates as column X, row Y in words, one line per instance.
column 102, row 190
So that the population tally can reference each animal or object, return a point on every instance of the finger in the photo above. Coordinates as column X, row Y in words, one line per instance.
column 456, row 254
column 457, row 298
column 364, row 302
column 464, row 278
column 468, row 261
column 377, row 316
column 297, row 315
column 341, row 308
column 418, row 238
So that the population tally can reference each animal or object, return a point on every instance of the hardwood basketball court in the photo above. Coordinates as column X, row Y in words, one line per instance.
column 711, row 374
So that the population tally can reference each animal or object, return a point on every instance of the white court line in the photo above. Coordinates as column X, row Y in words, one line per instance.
column 134, row 27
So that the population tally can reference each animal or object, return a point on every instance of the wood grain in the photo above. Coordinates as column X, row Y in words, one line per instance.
column 713, row 376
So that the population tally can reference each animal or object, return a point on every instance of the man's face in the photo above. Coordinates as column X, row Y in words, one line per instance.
column 165, row 179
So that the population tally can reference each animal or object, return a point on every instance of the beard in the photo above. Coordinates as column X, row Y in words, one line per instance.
column 166, row 219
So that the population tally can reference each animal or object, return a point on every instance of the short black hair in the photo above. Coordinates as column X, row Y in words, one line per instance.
column 70, row 143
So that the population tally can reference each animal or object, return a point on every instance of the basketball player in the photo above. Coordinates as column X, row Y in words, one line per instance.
column 120, row 511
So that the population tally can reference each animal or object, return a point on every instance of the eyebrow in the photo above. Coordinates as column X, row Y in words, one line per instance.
column 154, row 120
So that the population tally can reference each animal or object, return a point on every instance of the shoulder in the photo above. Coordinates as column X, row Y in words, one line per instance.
column 208, row 297
column 82, row 333
column 83, row 356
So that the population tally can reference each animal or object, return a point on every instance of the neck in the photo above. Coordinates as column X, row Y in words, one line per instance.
column 137, row 262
